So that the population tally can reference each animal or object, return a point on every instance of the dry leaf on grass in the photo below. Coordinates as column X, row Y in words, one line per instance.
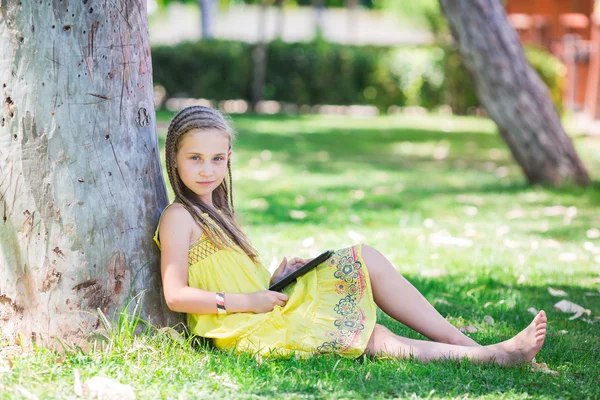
column 570, row 307
column 567, row 257
column 439, row 300
column 557, row 292
column 562, row 332
column 105, row 388
column 433, row 273
column 532, row 310
column 298, row 214
column 173, row 334
column 543, row 367
column 467, row 329
column 224, row 381
column 593, row 233
column 488, row 320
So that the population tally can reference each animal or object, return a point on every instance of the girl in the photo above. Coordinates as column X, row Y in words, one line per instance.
column 211, row 272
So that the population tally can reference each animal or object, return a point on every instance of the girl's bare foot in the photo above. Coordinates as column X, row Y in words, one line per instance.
column 525, row 345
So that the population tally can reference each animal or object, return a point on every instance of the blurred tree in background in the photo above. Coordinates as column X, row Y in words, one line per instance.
column 512, row 93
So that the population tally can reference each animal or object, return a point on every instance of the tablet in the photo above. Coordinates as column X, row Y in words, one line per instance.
column 291, row 278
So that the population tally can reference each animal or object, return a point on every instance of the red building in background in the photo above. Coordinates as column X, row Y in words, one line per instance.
column 568, row 29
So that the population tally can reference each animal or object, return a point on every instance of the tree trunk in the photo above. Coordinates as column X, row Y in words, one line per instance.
column 280, row 19
column 81, row 184
column 259, row 58
column 207, row 13
column 512, row 93
column 319, row 7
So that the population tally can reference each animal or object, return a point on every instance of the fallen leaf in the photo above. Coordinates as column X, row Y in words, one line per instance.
column 568, row 257
column 100, row 387
column 223, row 380
column 557, row 292
column 368, row 375
column 562, row 332
column 569, row 215
column 532, row 310
column 543, row 367
column 434, row 273
column 514, row 214
column 297, row 214
column 551, row 243
column 357, row 194
column 173, row 334
column 521, row 279
column 445, row 238
column 554, row 211
column 501, row 231
column 309, row 241
column 440, row 301
column 511, row 244
column 471, row 211
column 467, row 329
column 488, row 320
column 357, row 237
column 77, row 387
column 570, row 307
column 355, row 219
column 593, row 233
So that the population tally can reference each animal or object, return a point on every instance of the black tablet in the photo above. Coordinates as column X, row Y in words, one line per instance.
column 291, row 278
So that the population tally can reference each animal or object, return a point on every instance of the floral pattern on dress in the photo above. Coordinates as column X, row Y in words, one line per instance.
column 351, row 283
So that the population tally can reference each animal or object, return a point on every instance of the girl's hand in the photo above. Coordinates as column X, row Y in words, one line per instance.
column 287, row 267
column 266, row 300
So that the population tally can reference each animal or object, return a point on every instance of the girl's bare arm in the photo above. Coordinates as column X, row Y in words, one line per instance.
column 175, row 231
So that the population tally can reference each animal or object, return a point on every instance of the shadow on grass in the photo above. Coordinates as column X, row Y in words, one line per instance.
column 333, row 376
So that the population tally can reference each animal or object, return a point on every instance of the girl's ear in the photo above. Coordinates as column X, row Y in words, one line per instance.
column 229, row 154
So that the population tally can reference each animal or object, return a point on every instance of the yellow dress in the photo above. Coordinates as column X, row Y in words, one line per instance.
column 330, row 309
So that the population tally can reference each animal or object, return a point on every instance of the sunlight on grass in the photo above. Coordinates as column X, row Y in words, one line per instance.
column 443, row 200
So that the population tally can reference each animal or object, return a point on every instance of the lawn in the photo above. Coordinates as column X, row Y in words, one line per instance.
column 443, row 200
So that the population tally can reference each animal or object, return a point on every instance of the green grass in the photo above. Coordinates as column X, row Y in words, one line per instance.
column 397, row 183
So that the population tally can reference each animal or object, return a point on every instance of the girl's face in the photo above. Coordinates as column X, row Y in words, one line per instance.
column 202, row 161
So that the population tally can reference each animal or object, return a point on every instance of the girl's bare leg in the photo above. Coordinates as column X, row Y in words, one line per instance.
column 398, row 298
column 521, row 348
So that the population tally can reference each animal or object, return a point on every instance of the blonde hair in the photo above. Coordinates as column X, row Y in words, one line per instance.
column 201, row 117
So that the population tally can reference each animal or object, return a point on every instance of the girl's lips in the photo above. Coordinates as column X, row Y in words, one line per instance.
column 206, row 183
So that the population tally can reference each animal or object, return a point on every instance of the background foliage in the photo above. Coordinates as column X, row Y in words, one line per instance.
column 320, row 72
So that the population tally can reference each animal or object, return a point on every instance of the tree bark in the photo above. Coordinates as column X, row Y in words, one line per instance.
column 512, row 92
column 81, row 184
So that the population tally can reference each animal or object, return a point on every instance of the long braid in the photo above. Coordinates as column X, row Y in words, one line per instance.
column 200, row 117
column 230, row 192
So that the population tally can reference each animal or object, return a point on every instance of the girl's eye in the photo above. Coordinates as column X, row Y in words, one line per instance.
column 194, row 158
column 218, row 158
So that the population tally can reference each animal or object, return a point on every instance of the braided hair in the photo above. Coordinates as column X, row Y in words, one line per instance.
column 204, row 118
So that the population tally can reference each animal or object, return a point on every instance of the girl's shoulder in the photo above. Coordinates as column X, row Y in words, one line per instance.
column 176, row 217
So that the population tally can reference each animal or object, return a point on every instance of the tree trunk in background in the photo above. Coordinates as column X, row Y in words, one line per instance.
column 81, row 185
column 280, row 19
column 319, row 6
column 259, row 58
column 207, row 14
column 512, row 93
